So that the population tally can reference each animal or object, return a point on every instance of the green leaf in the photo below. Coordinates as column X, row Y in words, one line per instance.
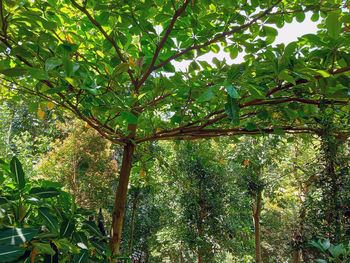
column 10, row 253
column 64, row 245
column 38, row 74
column 67, row 66
column 325, row 244
column 52, row 63
column 44, row 248
column 232, row 109
column 14, row 72
column 255, row 91
column 101, row 247
column 44, row 192
column 320, row 261
column 17, row 236
column 233, row 52
column 17, row 171
column 121, row 68
column 324, row 73
column 313, row 39
column 82, row 257
column 290, row 49
column 315, row 16
column 21, row 51
column 103, row 18
column 92, row 229
column 80, row 237
column 232, row 91
column 345, row 19
column 67, row 49
column 193, row 66
column 283, row 75
column 271, row 34
column 50, row 221
column 129, row 117
column 176, row 118
column 300, row 17
column 336, row 251
column 67, row 227
column 206, row 95
column 333, row 25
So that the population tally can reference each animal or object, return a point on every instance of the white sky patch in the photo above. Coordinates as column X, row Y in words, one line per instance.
column 288, row 33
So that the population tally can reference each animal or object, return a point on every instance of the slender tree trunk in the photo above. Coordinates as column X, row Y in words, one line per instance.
column 199, row 256
column 202, row 214
column 296, row 256
column 133, row 221
column 10, row 130
column 256, row 217
column 120, row 197
column 298, row 231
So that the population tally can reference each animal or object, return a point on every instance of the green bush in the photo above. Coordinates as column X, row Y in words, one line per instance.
column 39, row 221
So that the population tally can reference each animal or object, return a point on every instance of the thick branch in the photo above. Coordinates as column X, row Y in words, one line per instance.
column 207, row 133
column 162, row 43
column 302, row 11
column 302, row 81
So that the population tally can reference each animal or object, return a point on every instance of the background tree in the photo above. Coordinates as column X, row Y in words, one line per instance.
column 84, row 163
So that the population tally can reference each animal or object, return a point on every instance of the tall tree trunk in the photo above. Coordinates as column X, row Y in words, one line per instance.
column 133, row 221
column 296, row 256
column 256, row 217
column 202, row 214
column 120, row 197
column 298, row 231
column 8, row 148
column 199, row 256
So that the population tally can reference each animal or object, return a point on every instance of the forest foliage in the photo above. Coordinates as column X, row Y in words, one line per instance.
column 110, row 63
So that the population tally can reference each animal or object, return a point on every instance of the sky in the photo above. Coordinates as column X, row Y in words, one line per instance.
column 289, row 33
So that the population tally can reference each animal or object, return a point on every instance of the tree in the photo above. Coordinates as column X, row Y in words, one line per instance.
column 109, row 62
column 203, row 199
column 82, row 162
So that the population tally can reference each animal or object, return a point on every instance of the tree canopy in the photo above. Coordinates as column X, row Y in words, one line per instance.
column 110, row 63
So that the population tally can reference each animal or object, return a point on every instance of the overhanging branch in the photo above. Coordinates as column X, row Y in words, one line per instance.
column 217, row 38
column 104, row 33
column 162, row 43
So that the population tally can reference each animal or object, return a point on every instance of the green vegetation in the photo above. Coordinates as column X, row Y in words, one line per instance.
column 89, row 97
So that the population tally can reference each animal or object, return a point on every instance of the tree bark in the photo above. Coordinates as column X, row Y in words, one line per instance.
column 133, row 221
column 256, row 217
column 120, row 197
column 298, row 231
column 296, row 256
column 199, row 256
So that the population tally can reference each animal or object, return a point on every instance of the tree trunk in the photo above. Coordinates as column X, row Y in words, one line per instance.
column 133, row 221
column 296, row 256
column 256, row 217
column 199, row 256
column 122, row 191
column 298, row 231
column 120, row 198
column 8, row 148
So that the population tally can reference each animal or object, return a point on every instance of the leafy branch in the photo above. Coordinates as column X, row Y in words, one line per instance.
column 217, row 38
